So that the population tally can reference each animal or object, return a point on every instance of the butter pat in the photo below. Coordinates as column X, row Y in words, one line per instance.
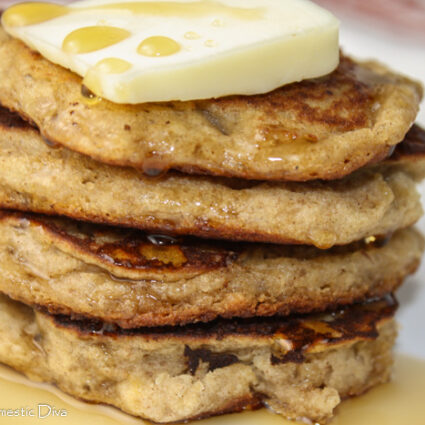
column 144, row 51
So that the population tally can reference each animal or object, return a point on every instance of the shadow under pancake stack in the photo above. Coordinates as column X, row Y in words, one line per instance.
column 186, row 259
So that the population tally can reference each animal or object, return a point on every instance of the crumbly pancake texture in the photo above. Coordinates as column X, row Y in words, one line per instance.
column 299, row 367
column 323, row 128
column 39, row 178
column 120, row 276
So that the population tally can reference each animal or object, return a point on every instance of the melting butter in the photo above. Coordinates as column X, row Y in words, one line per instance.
column 158, row 46
column 90, row 39
column 247, row 47
column 113, row 66
column 108, row 66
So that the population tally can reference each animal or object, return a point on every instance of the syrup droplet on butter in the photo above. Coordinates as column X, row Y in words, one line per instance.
column 219, row 23
column 25, row 14
column 191, row 35
column 158, row 46
column 90, row 39
column 210, row 43
column 113, row 65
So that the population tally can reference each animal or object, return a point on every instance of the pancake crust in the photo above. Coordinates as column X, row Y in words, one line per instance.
column 120, row 276
column 301, row 367
column 317, row 129
column 373, row 201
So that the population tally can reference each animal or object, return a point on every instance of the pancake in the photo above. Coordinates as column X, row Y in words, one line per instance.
column 301, row 367
column 133, row 279
column 316, row 129
column 373, row 201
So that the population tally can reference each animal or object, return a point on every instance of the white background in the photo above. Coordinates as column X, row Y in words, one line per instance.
column 405, row 52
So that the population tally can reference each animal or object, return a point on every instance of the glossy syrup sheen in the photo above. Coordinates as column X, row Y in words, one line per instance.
column 34, row 13
column 158, row 46
column 113, row 65
column 400, row 402
column 90, row 39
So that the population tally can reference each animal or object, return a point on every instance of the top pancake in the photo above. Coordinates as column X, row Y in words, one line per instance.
column 317, row 129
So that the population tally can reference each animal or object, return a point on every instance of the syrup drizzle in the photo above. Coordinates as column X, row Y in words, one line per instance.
column 155, row 167
column 90, row 39
column 24, row 14
column 89, row 97
column 157, row 46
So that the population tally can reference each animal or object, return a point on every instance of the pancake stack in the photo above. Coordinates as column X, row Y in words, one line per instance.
column 186, row 259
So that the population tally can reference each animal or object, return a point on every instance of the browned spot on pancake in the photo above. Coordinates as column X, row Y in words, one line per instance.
column 214, row 360
column 10, row 119
column 339, row 100
column 290, row 357
column 133, row 249
column 298, row 333
column 413, row 144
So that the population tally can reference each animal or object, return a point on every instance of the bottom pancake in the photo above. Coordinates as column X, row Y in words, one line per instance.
column 300, row 367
